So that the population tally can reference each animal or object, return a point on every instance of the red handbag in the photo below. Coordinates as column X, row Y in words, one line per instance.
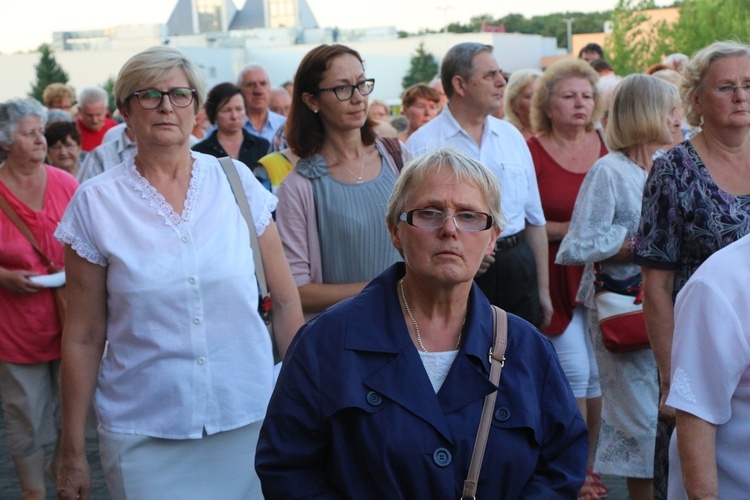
column 620, row 309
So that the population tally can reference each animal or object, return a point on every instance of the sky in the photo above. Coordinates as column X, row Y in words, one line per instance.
column 26, row 24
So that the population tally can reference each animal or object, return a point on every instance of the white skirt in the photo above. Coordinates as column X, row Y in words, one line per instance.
column 221, row 465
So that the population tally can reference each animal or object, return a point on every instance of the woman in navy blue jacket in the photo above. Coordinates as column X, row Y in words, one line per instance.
column 381, row 395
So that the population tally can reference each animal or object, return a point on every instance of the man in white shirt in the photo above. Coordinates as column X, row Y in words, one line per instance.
column 516, row 276
column 118, row 144
column 256, row 87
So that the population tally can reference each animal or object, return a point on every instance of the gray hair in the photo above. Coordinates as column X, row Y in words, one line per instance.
column 15, row 111
column 516, row 83
column 697, row 68
column 675, row 61
column 93, row 95
column 459, row 61
column 59, row 115
column 465, row 169
column 153, row 65
column 248, row 68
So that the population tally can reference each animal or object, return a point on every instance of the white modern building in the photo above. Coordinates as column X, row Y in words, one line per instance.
column 275, row 33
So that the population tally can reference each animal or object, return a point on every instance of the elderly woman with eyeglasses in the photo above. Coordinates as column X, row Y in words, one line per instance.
column 160, row 269
column 695, row 202
column 381, row 395
column 331, row 204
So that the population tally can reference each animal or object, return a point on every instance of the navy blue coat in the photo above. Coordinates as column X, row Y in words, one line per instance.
column 354, row 414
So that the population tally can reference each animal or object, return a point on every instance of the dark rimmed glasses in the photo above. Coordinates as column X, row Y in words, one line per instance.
column 467, row 221
column 180, row 97
column 345, row 92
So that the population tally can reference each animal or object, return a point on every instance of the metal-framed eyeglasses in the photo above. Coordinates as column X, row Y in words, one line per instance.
column 345, row 92
column 180, row 97
column 727, row 90
column 467, row 221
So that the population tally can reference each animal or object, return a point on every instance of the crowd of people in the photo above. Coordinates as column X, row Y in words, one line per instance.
column 136, row 245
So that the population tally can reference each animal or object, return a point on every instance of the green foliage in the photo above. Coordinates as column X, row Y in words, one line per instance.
column 109, row 87
column 551, row 25
column 632, row 48
column 703, row 22
column 423, row 68
column 47, row 71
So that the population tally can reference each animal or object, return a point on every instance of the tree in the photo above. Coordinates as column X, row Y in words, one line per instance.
column 47, row 71
column 703, row 22
column 423, row 68
column 632, row 47
column 109, row 88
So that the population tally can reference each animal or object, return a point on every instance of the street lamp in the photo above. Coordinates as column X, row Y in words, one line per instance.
column 569, row 23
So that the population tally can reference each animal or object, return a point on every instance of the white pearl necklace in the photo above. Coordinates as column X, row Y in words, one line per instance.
column 416, row 326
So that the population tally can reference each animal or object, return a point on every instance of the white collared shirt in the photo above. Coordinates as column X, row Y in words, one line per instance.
column 187, row 350
column 503, row 151
column 274, row 122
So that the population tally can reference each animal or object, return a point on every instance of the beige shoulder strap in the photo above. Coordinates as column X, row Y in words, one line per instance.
column 497, row 361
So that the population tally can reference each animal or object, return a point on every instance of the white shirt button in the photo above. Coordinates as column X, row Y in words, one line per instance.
column 185, row 239
column 197, row 321
column 201, row 361
column 191, row 280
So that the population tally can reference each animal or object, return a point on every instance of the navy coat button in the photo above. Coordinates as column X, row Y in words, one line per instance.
column 441, row 457
column 502, row 414
column 374, row 398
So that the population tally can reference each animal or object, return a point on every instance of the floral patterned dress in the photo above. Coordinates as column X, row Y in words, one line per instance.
column 686, row 216
column 606, row 212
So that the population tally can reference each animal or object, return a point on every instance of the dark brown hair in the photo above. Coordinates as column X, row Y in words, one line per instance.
column 218, row 96
column 59, row 131
column 304, row 129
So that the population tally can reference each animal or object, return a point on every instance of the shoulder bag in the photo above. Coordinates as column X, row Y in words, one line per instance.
column 619, row 305
column 497, row 361
column 61, row 301
column 264, row 300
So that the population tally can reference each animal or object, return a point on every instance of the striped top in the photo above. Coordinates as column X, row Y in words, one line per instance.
column 354, row 241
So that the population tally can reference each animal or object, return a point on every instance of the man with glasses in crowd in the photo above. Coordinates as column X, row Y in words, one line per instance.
column 516, row 276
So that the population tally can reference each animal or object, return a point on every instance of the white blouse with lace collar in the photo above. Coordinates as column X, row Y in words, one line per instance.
column 187, row 350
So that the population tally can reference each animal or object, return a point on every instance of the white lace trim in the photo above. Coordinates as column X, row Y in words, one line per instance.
column 158, row 202
column 64, row 234
column 681, row 385
column 265, row 214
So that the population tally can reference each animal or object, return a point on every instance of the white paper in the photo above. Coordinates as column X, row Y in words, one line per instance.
column 49, row 280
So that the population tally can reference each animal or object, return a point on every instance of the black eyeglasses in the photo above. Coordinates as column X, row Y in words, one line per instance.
column 425, row 218
column 180, row 97
column 345, row 92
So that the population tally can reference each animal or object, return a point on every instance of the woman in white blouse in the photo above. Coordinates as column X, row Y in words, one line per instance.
column 159, row 267
column 642, row 118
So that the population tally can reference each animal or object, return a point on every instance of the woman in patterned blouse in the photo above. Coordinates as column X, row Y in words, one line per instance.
column 697, row 198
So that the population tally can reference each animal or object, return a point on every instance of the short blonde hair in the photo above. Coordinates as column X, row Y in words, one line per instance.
column 516, row 83
column 154, row 65
column 545, row 87
column 639, row 110
column 464, row 169
column 55, row 91
column 697, row 68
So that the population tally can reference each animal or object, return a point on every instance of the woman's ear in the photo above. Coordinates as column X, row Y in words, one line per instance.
column 395, row 238
column 310, row 101
column 495, row 234
column 124, row 111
